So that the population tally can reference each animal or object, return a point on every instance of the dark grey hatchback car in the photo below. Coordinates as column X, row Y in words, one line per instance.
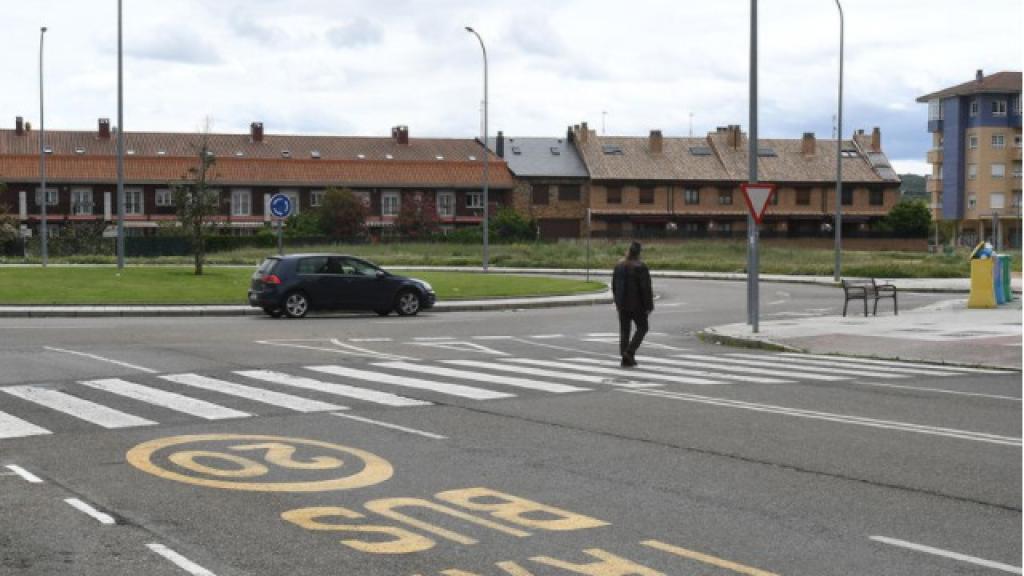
column 293, row 285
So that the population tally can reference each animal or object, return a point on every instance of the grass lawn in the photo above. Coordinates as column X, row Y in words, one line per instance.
column 174, row 285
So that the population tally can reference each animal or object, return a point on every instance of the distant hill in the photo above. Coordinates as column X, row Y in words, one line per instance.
column 913, row 186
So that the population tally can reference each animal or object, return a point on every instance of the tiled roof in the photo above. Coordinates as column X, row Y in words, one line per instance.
column 713, row 159
column 248, row 171
column 998, row 83
column 535, row 157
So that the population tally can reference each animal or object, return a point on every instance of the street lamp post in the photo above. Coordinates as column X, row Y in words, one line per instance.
column 120, row 144
column 42, row 151
column 486, row 154
column 839, row 159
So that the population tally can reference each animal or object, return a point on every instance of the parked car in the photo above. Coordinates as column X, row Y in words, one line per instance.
column 295, row 284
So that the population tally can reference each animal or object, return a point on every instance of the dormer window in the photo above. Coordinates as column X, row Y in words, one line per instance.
column 47, row 149
column 286, row 153
column 439, row 157
column 517, row 150
column 361, row 156
column 239, row 153
column 556, row 151
column 161, row 152
column 471, row 157
column 79, row 150
column 314, row 154
column 389, row 156
column 131, row 152
column 612, row 150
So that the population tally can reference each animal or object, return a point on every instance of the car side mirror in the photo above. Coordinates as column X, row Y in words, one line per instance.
column 381, row 274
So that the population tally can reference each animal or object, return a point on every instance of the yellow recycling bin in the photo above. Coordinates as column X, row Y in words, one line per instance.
column 983, row 293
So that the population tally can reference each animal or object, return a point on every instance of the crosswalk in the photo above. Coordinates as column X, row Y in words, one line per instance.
column 109, row 403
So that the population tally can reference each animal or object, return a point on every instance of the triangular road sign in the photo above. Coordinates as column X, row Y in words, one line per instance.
column 757, row 197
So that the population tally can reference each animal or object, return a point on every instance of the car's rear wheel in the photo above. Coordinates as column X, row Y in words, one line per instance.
column 296, row 305
column 272, row 311
column 407, row 303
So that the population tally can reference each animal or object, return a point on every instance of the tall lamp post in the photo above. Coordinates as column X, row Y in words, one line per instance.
column 486, row 154
column 120, row 144
column 839, row 159
column 42, row 151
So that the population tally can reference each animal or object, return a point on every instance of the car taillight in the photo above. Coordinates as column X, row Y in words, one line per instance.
column 271, row 279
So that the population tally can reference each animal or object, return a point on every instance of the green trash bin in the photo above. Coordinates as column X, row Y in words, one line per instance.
column 1006, row 267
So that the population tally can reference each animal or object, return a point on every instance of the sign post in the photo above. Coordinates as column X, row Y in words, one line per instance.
column 757, row 196
column 280, row 208
column 588, row 244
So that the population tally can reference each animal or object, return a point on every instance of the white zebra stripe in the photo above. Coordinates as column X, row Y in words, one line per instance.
column 841, row 363
column 481, row 377
column 77, row 407
column 296, row 403
column 772, row 361
column 874, row 362
column 12, row 427
column 684, row 372
column 621, row 372
column 164, row 399
column 562, row 375
column 702, row 363
column 385, row 378
column 374, row 396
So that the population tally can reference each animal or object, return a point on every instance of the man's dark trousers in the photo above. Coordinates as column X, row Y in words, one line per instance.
column 627, row 347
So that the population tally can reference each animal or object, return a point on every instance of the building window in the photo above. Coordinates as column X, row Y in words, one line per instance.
column 1016, row 170
column 972, row 171
column 997, row 201
column 292, row 195
column 241, row 202
column 972, row 201
column 1016, row 105
column 541, row 193
column 475, row 200
column 164, row 197
column 614, row 195
column 446, row 204
column 389, row 204
column 998, row 170
column 568, row 193
column 691, row 196
column 972, row 142
column 1015, row 201
column 847, row 197
column 935, row 109
column 364, row 197
column 999, row 107
column 877, row 197
column 647, row 195
column 81, row 202
column 998, row 141
column 974, row 107
column 1016, row 140
column 52, row 197
column 725, row 197
column 725, row 227
column 316, row 197
column 133, row 201
column 803, row 196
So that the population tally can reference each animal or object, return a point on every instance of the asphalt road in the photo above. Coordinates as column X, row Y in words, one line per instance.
column 491, row 443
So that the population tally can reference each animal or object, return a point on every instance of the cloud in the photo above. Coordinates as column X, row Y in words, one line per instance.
column 354, row 34
column 248, row 27
column 173, row 44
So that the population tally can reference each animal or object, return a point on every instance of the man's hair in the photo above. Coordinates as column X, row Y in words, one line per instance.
column 634, row 251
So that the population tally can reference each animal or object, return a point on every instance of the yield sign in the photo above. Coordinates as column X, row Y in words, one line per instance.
column 757, row 197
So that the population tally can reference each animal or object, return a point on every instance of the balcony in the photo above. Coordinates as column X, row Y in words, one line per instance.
column 1015, row 154
column 935, row 156
column 933, row 185
column 935, row 126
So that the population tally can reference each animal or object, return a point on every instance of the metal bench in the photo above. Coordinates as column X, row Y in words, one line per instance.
column 864, row 289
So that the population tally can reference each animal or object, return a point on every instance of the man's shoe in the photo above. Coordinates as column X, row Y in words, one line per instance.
column 627, row 363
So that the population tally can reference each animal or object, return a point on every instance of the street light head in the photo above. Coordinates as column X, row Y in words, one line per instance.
column 43, row 29
column 470, row 29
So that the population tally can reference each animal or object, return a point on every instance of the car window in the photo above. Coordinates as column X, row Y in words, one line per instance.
column 336, row 265
column 313, row 265
column 360, row 268
column 268, row 265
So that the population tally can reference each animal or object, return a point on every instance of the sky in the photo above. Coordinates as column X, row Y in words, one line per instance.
column 359, row 67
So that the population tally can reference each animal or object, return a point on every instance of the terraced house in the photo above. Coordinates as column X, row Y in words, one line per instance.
column 648, row 185
column 249, row 169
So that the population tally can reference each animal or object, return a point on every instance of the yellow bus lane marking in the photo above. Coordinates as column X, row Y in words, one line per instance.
column 706, row 558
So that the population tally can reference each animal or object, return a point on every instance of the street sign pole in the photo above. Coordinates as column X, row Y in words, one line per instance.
column 280, row 236
column 588, row 244
column 752, row 272
column 280, row 208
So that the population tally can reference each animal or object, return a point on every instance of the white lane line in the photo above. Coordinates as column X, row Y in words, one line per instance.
column 939, row 390
column 1010, row 569
column 392, row 426
column 771, row 361
column 12, row 427
column 897, row 363
column 481, row 377
column 296, row 403
column 24, row 474
column 741, row 369
column 620, row 372
column 100, row 517
column 369, row 340
column 493, row 337
column 561, row 375
column 603, row 335
column 441, row 387
column 179, row 560
column 373, row 396
column 77, row 407
column 547, row 336
column 102, row 359
column 164, row 399
column 831, row 417
column 433, row 338
column 340, row 348
column 842, row 363
column 684, row 372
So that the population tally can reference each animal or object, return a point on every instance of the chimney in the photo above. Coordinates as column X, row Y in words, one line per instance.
column 734, row 136
column 499, row 144
column 655, row 142
column 400, row 134
column 104, row 129
column 584, row 132
column 876, row 140
column 256, row 132
column 28, row 126
column 808, row 144
column 979, row 76
column 19, row 125
column 570, row 136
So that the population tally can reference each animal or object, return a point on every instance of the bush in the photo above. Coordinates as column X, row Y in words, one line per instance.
column 908, row 219
column 508, row 226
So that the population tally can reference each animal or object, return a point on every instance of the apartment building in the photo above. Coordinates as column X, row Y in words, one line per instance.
column 249, row 169
column 648, row 185
column 976, row 157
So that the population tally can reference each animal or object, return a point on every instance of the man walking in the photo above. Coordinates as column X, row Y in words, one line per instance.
column 634, row 300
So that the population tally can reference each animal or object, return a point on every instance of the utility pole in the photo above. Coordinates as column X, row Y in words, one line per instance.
column 120, row 143
column 752, row 232
column 44, row 237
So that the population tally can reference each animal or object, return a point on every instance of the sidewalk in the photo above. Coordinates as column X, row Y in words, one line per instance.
column 944, row 332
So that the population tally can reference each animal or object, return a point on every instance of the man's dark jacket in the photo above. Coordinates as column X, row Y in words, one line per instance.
column 631, row 285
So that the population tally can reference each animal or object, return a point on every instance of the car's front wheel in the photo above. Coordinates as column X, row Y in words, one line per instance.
column 296, row 305
column 407, row 303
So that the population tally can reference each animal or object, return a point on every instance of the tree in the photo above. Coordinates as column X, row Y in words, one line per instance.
column 509, row 226
column 196, row 204
column 8, row 222
column 417, row 218
column 912, row 186
column 909, row 218
column 342, row 214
